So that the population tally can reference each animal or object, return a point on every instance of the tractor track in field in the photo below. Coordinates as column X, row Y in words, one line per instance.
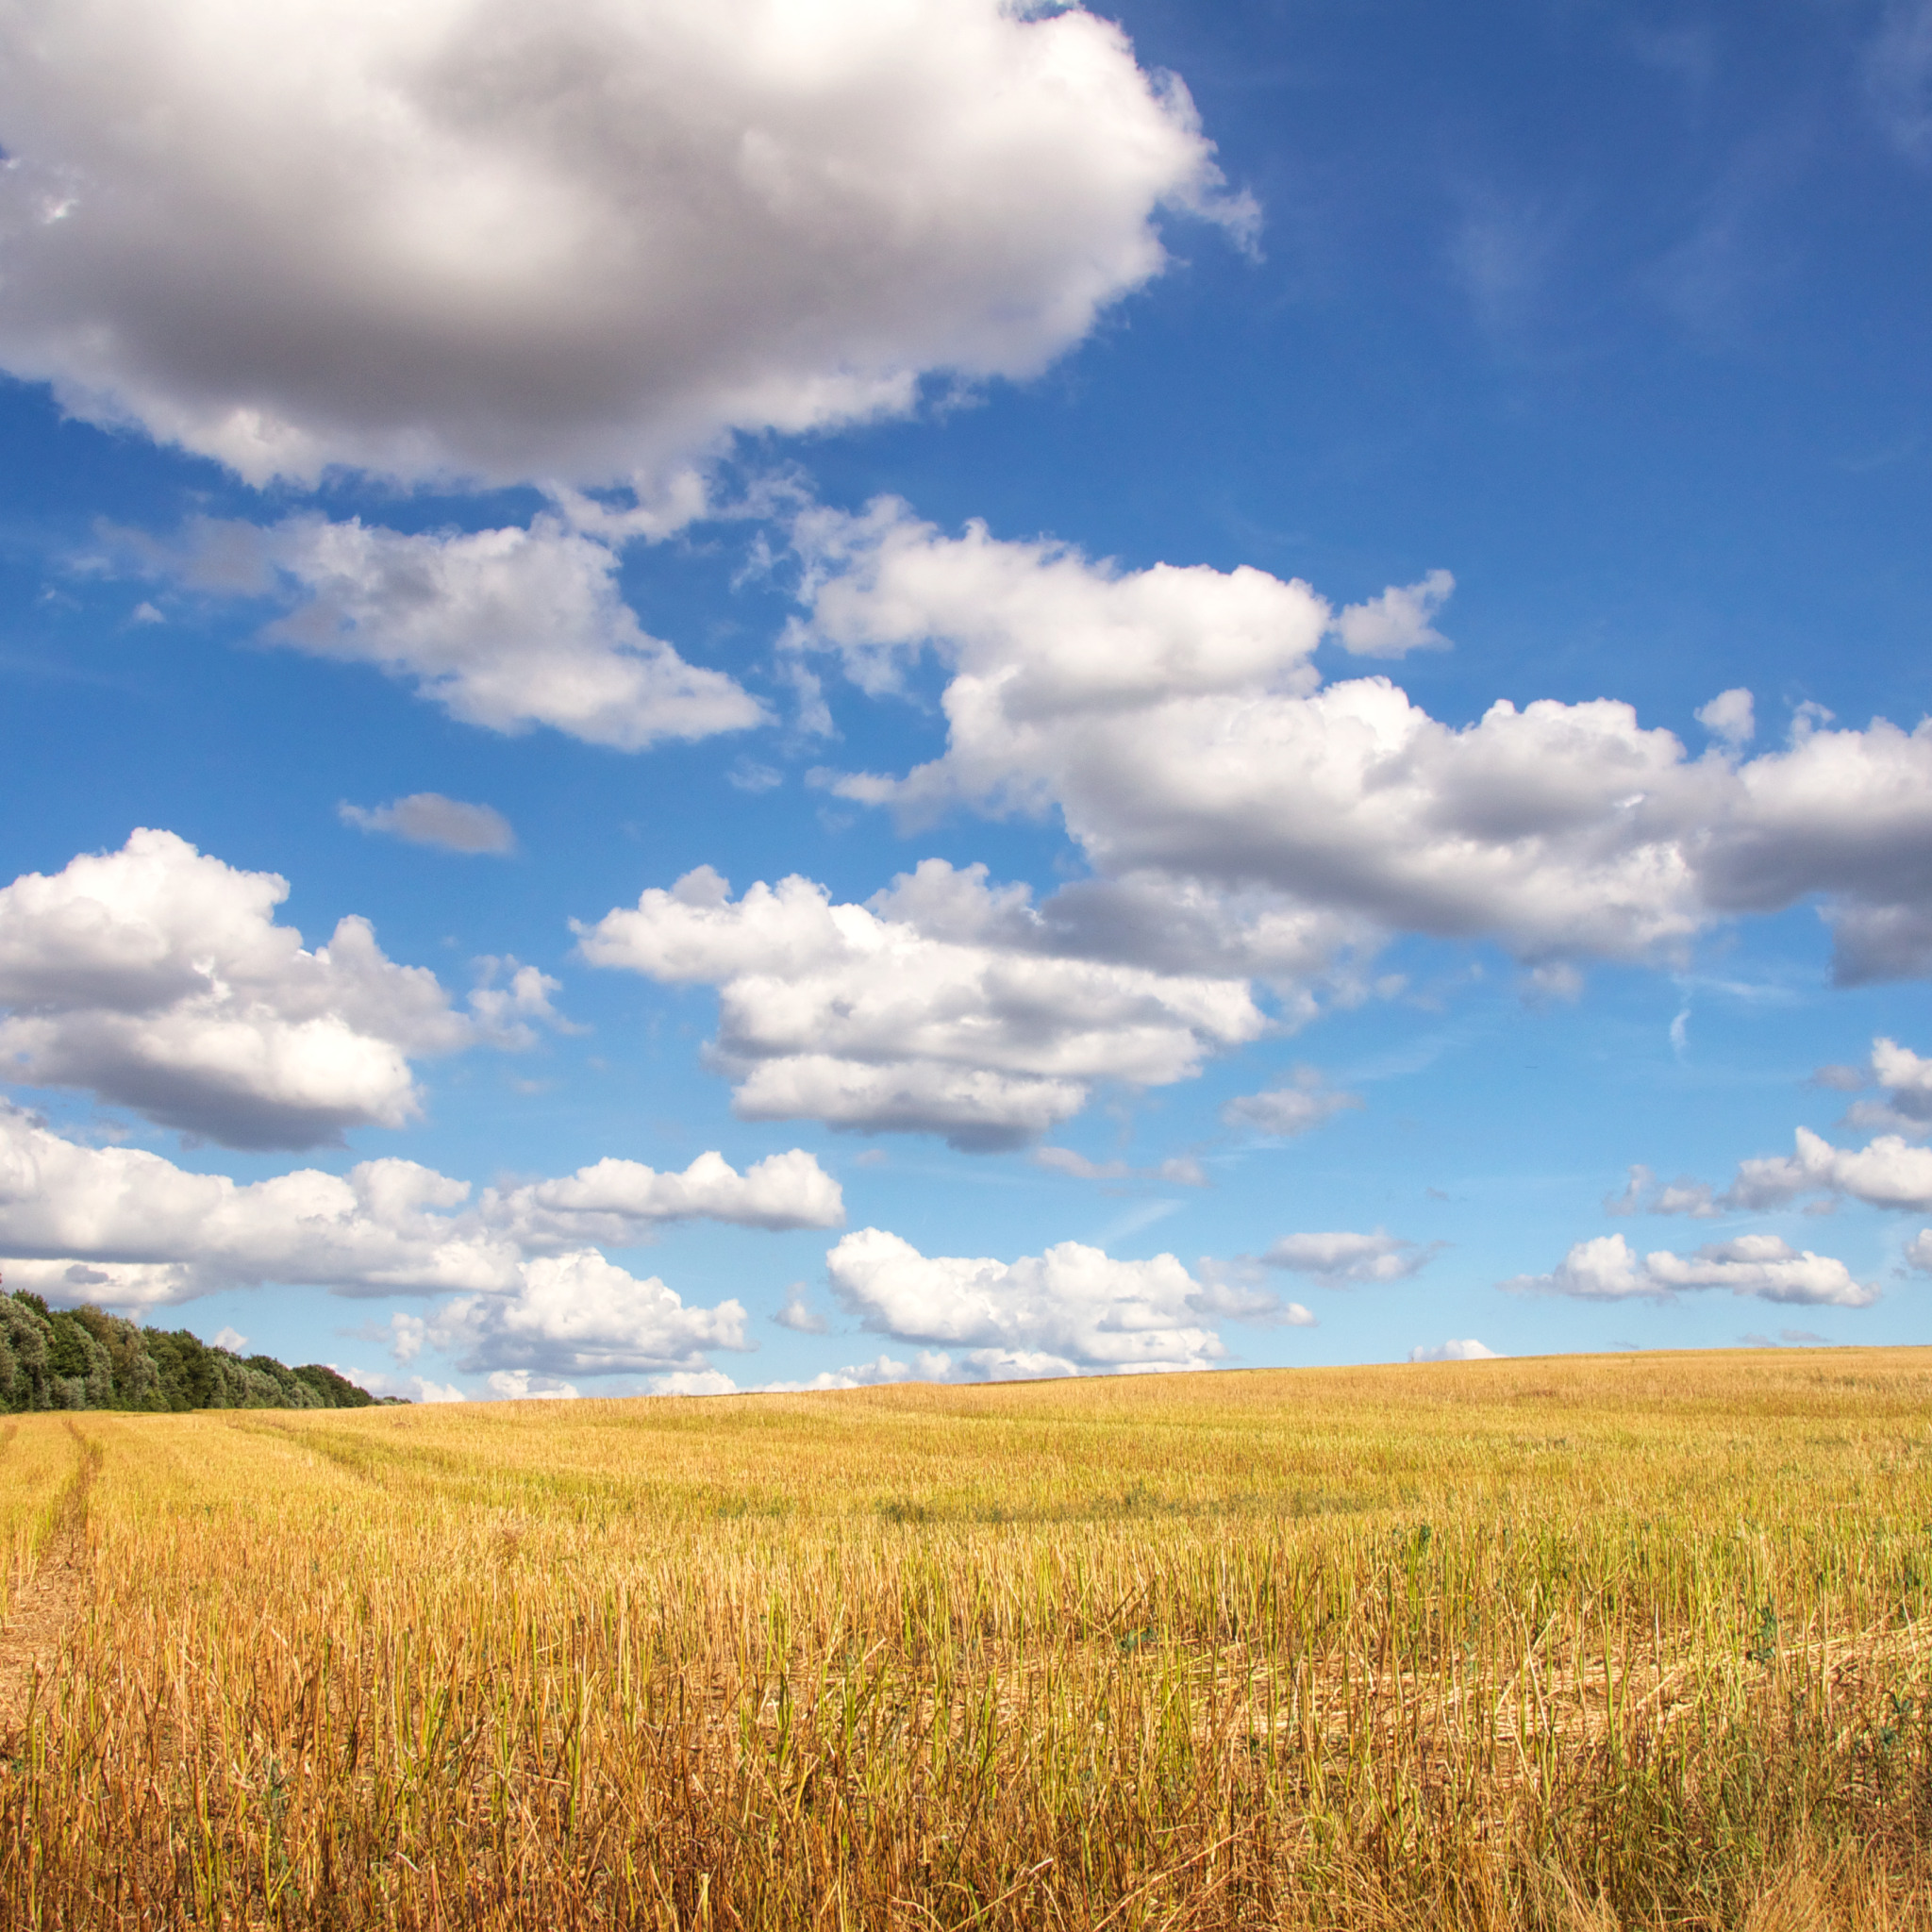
column 45, row 1608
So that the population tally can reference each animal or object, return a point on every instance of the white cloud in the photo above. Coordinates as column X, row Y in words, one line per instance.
column 1072, row 1310
column 616, row 1203
column 508, row 998
column 506, row 630
column 157, row 978
column 1730, row 717
column 410, row 1388
column 1763, row 1265
column 427, row 818
column 1397, row 621
column 943, row 1005
column 1198, row 750
column 1468, row 1351
column 1888, row 1172
column 1905, row 1080
column 692, row 1382
column 124, row 1226
column 1296, row 1107
column 1918, row 1251
column 1034, row 629
column 520, row 1385
column 476, row 237
column 1339, row 1258
column 579, row 1314
column 138, row 1229
column 230, row 1339
column 930, row 1365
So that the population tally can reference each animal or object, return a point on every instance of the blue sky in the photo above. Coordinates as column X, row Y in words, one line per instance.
column 481, row 472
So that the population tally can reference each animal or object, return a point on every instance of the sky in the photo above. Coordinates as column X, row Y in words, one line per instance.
column 715, row 694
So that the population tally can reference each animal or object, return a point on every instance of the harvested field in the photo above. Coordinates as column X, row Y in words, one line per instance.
column 1602, row 1642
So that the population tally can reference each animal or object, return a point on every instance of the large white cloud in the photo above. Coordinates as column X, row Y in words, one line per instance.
column 943, row 1005
column 579, row 1314
column 122, row 1225
column 1175, row 720
column 504, row 628
column 157, row 978
column 1764, row 1265
column 480, row 237
column 127, row 1227
column 1072, row 1310
column 1888, row 1172
column 616, row 1203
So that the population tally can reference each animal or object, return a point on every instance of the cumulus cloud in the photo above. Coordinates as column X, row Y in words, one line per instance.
column 580, row 1314
column 157, row 978
column 1339, row 1259
column 127, row 1227
column 928, row 1365
column 1071, row 1310
column 1173, row 719
column 692, row 1382
column 1606, row 1269
column 1888, row 1172
column 1397, row 621
column 520, row 1385
column 1904, row 1080
column 1296, row 1107
column 410, row 1388
column 509, row 1000
column 472, row 237
column 943, row 1005
column 1468, row 1351
column 427, row 818
column 506, row 630
column 124, row 1226
column 616, row 1203
column 1730, row 717
column 1037, row 629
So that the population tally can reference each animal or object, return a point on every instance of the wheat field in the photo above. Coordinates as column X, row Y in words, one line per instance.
column 1582, row 1644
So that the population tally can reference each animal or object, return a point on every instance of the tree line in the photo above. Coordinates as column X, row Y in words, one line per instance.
column 87, row 1358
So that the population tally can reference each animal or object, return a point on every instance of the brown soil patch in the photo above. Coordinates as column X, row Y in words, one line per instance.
column 45, row 1609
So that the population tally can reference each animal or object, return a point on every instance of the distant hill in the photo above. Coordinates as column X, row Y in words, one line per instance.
column 88, row 1358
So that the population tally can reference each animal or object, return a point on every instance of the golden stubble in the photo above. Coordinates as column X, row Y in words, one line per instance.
column 1577, row 1643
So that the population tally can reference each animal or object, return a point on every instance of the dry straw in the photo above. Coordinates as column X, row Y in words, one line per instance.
column 1626, row 1642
